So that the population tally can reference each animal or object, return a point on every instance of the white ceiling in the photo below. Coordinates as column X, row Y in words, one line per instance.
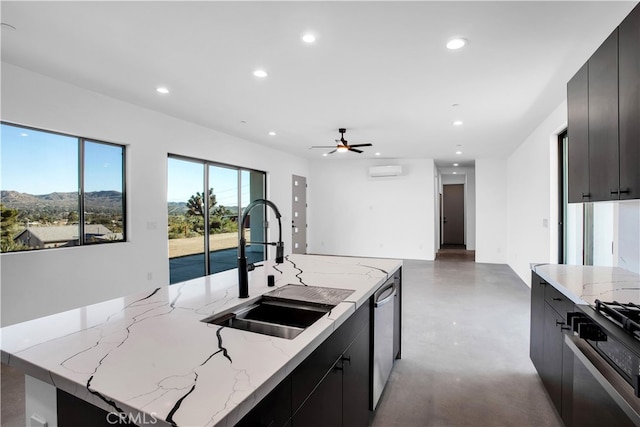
column 380, row 69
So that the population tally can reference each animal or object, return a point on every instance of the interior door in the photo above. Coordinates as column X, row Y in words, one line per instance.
column 299, row 214
column 453, row 214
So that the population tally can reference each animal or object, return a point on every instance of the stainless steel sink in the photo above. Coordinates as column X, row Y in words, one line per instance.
column 275, row 317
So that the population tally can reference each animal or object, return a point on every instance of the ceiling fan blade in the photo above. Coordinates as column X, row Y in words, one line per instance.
column 322, row 146
column 354, row 150
column 361, row 145
column 332, row 151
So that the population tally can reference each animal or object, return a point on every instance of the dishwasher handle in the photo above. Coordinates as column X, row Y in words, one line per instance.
column 385, row 295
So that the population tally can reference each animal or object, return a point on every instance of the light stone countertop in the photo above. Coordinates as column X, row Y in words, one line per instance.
column 584, row 284
column 151, row 354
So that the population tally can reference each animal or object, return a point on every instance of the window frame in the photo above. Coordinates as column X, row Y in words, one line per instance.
column 81, row 141
column 206, row 184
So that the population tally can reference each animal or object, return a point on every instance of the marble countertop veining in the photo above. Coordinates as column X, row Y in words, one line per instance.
column 584, row 284
column 150, row 353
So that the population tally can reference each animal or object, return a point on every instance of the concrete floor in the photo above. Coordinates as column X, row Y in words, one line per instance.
column 465, row 355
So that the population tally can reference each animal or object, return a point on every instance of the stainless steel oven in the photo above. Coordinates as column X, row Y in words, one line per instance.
column 601, row 370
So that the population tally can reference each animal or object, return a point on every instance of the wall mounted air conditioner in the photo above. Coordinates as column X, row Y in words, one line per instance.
column 379, row 171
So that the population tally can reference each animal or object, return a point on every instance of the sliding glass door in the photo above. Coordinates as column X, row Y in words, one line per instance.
column 199, row 189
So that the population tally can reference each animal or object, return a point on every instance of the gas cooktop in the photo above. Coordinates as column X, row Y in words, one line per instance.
column 627, row 316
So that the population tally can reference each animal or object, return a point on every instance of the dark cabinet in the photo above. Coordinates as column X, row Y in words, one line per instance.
column 551, row 369
column 336, row 378
column 603, row 121
column 323, row 408
column 329, row 388
column 603, row 101
column 549, row 309
column 274, row 410
column 356, row 381
column 536, row 349
column 629, row 105
column 578, row 124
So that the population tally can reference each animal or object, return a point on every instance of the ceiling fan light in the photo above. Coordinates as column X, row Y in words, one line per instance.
column 342, row 149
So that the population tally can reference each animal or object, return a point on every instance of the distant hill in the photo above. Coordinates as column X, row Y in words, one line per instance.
column 177, row 208
column 180, row 208
column 108, row 202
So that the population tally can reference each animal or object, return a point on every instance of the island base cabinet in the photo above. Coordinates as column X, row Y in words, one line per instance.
column 356, row 382
column 274, row 410
column 330, row 388
column 323, row 408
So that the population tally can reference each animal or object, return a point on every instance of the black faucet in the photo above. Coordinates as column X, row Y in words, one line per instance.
column 243, row 267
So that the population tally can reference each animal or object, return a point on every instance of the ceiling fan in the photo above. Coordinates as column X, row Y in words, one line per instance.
column 342, row 145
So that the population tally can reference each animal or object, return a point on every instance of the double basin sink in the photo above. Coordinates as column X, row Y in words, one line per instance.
column 285, row 312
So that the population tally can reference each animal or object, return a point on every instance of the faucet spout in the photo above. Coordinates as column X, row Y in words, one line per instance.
column 243, row 266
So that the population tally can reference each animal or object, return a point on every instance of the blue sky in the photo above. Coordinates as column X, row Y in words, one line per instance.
column 185, row 178
column 39, row 163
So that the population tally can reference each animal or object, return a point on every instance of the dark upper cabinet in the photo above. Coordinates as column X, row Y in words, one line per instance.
column 603, row 121
column 603, row 101
column 578, row 152
column 629, row 104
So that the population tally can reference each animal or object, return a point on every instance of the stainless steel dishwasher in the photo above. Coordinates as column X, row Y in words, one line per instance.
column 383, row 320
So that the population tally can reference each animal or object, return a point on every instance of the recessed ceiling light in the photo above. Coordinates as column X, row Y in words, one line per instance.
column 377, row 154
column 455, row 173
column 260, row 73
column 458, row 152
column 455, row 164
column 272, row 133
column 457, row 123
column 454, row 44
column 324, row 154
column 308, row 38
column 163, row 90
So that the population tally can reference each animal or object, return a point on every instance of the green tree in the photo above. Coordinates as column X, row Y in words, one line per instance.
column 195, row 204
column 217, row 213
column 8, row 227
column 73, row 217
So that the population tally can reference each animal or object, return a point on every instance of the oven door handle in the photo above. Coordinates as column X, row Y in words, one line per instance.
column 621, row 392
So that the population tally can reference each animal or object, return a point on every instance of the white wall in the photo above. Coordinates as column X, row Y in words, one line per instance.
column 531, row 217
column 470, row 210
column 351, row 213
column 43, row 282
column 491, row 211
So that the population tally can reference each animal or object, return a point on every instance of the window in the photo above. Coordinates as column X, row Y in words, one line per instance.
column 229, row 190
column 59, row 190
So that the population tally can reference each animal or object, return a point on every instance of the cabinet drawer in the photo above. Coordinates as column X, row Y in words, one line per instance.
column 557, row 301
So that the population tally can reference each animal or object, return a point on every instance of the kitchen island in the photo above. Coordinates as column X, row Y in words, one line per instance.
column 150, row 357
